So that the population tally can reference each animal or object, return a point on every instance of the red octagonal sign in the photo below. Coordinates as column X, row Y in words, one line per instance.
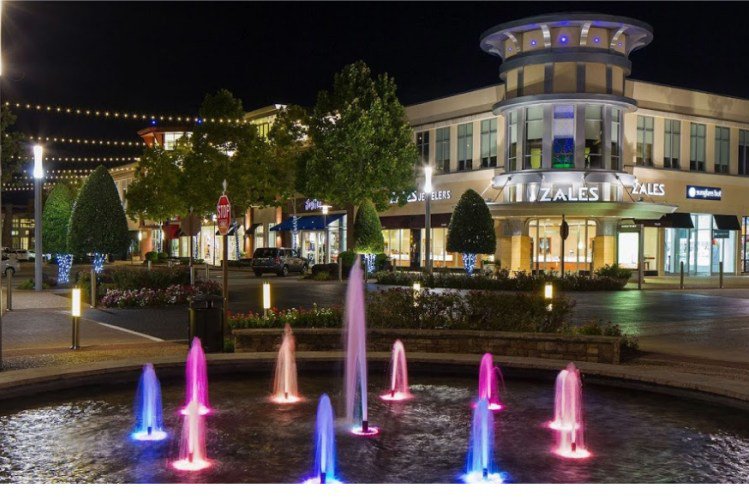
column 223, row 214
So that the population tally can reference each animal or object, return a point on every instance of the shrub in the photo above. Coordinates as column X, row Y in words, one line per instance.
column 299, row 317
column 145, row 297
column 29, row 284
column 321, row 275
column 368, row 238
column 157, row 278
column 614, row 271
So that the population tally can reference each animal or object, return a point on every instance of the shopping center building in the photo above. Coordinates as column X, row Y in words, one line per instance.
column 639, row 171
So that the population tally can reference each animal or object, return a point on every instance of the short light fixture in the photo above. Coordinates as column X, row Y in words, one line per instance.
column 563, row 39
column 75, row 310
column 416, row 292
column 533, row 43
column 38, row 155
column 266, row 298
column 548, row 291
column 597, row 39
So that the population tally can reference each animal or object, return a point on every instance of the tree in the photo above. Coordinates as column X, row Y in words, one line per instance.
column 9, row 142
column 98, row 224
column 471, row 229
column 368, row 239
column 361, row 143
column 55, row 220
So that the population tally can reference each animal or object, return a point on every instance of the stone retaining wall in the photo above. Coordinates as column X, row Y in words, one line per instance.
column 578, row 348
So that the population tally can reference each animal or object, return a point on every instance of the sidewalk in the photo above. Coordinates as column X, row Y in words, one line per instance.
column 671, row 282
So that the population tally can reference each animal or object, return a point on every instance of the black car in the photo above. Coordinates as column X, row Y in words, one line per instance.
column 278, row 260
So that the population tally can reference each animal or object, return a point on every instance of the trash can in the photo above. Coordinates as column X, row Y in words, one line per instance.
column 207, row 322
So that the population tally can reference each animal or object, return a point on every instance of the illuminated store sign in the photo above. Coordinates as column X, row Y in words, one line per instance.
column 437, row 195
column 312, row 205
column 651, row 189
column 568, row 194
column 704, row 193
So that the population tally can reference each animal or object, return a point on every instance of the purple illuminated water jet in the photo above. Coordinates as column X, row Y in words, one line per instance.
column 355, row 338
column 196, row 376
column 568, row 423
column 192, row 454
column 480, row 468
column 149, row 423
column 490, row 380
column 325, row 457
column 285, row 389
column 398, row 375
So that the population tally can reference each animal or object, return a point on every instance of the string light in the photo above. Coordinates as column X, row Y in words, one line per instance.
column 83, row 159
column 85, row 141
column 64, row 264
column 153, row 118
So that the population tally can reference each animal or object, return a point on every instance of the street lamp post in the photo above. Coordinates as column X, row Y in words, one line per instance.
column 325, row 209
column 38, row 184
column 1, row 171
column 428, row 217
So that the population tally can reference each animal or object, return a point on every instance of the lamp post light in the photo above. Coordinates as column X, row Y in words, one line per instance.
column 325, row 209
column 428, row 217
column 266, row 298
column 75, row 312
column 38, row 185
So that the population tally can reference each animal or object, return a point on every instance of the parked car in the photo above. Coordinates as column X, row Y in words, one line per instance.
column 10, row 265
column 278, row 260
column 23, row 254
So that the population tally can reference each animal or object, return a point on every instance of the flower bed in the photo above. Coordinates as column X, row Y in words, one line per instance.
column 301, row 317
column 145, row 297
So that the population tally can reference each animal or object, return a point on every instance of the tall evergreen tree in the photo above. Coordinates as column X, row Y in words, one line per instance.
column 55, row 220
column 471, row 229
column 368, row 239
column 98, row 224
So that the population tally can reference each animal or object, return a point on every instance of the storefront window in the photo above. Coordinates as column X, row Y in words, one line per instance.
column 489, row 143
column 697, row 147
column 593, row 136
column 644, row 141
column 745, row 244
column 443, row 150
column 722, row 148
column 512, row 141
column 616, row 126
column 563, row 146
column 628, row 248
column 465, row 147
column 440, row 257
column 547, row 244
column 397, row 246
column 534, row 134
column 743, row 152
column 700, row 249
column 672, row 144
column 259, row 242
column 422, row 143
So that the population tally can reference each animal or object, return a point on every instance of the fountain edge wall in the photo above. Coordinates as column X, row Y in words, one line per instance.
column 594, row 349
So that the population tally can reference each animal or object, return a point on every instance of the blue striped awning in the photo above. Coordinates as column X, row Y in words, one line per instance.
column 310, row 222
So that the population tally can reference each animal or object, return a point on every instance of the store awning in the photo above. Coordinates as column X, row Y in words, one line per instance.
column 232, row 230
column 671, row 220
column 251, row 230
column 439, row 220
column 311, row 222
column 726, row 222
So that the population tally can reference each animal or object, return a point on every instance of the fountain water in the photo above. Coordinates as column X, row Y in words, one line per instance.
column 285, row 388
column 480, row 467
column 192, row 455
column 356, row 354
column 490, row 380
column 568, row 415
column 324, row 471
column 149, row 424
column 196, row 375
column 398, row 375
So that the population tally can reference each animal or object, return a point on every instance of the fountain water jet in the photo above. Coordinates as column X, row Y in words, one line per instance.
column 192, row 455
column 285, row 388
column 480, row 467
column 324, row 471
column 568, row 421
column 398, row 375
column 149, row 424
column 196, row 376
column 356, row 354
column 490, row 380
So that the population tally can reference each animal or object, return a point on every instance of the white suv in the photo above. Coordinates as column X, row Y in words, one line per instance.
column 10, row 265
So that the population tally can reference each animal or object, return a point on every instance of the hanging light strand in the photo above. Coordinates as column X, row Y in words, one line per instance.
column 84, row 141
column 82, row 159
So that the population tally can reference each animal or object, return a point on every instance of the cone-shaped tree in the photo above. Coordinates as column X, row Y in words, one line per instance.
column 368, row 237
column 471, row 229
column 97, row 223
column 55, row 219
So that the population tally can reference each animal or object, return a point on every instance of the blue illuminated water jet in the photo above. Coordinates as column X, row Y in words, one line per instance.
column 324, row 471
column 480, row 468
column 149, row 423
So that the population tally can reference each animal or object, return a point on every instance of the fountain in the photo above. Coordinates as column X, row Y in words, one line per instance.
column 568, row 415
column 196, row 376
column 149, row 424
column 480, row 467
column 398, row 375
column 192, row 456
column 356, row 354
column 489, row 382
column 324, row 471
column 285, row 388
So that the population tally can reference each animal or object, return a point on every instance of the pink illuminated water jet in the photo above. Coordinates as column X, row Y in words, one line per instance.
column 568, row 423
column 196, row 376
column 285, row 389
column 192, row 455
column 490, row 380
column 355, row 338
column 398, row 375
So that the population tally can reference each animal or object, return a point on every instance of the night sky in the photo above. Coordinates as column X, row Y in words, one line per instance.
column 163, row 57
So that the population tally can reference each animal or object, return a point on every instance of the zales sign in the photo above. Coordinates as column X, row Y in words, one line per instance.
column 651, row 189
column 562, row 194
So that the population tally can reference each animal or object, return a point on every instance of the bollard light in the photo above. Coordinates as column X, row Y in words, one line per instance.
column 76, row 310
column 549, row 291
column 266, row 297
column 417, row 292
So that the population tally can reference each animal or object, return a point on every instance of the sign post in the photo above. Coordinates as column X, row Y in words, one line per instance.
column 223, row 220
column 191, row 226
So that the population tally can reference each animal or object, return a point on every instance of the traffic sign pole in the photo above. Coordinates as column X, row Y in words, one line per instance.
column 223, row 218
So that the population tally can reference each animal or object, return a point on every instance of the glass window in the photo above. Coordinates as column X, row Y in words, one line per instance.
column 697, row 147
column 512, row 141
column 171, row 137
column 422, row 143
column 616, row 127
column 672, row 144
column 563, row 145
column 722, row 148
column 644, row 141
column 593, row 136
column 397, row 246
column 489, row 143
column 465, row 146
column 534, row 134
column 443, row 150
column 743, row 152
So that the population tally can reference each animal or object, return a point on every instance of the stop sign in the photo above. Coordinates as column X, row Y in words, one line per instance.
column 223, row 214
